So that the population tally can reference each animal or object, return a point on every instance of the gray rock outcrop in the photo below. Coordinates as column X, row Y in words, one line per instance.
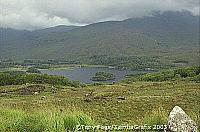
column 179, row 121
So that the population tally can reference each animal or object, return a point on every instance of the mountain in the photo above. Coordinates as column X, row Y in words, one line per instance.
column 60, row 28
column 162, row 38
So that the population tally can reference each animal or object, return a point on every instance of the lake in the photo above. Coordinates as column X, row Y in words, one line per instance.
column 84, row 74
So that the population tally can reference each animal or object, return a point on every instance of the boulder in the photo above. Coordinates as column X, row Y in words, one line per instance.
column 179, row 121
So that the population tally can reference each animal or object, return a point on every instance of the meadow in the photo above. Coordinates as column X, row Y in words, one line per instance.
column 47, row 107
column 119, row 104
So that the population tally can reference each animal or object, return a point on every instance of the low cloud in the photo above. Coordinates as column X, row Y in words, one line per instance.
column 36, row 14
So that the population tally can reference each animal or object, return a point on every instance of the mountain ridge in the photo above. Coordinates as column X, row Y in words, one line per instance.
column 168, row 34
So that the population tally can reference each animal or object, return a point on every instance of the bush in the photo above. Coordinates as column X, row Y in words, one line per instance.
column 19, row 78
column 103, row 76
column 196, row 78
column 160, row 76
column 191, row 73
column 187, row 72
column 33, row 70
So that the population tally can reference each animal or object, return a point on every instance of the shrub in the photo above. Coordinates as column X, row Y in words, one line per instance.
column 187, row 72
column 33, row 70
column 159, row 76
column 191, row 73
column 196, row 78
column 103, row 76
column 18, row 78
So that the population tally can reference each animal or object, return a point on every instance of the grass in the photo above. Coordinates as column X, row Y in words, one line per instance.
column 156, row 117
column 13, row 69
column 118, row 104
column 54, row 121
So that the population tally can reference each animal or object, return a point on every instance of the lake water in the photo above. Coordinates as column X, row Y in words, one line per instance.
column 84, row 74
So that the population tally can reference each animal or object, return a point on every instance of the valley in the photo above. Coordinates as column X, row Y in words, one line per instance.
column 125, row 72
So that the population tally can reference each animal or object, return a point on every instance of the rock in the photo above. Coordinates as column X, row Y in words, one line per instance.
column 113, row 82
column 36, row 93
column 179, row 121
column 89, row 94
column 86, row 95
column 121, row 98
column 43, row 97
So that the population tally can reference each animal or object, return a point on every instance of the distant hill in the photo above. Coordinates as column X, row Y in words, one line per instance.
column 60, row 28
column 161, row 38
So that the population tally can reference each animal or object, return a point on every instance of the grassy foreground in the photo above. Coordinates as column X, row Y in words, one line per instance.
column 18, row 120
column 118, row 104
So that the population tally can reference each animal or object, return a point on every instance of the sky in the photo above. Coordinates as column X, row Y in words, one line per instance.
column 37, row 14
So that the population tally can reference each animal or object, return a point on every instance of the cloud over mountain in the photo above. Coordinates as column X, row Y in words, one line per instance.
column 36, row 14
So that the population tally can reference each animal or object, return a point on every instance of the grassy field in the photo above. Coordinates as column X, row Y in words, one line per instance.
column 117, row 104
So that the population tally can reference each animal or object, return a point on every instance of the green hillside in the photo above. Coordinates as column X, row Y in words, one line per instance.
column 156, row 41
